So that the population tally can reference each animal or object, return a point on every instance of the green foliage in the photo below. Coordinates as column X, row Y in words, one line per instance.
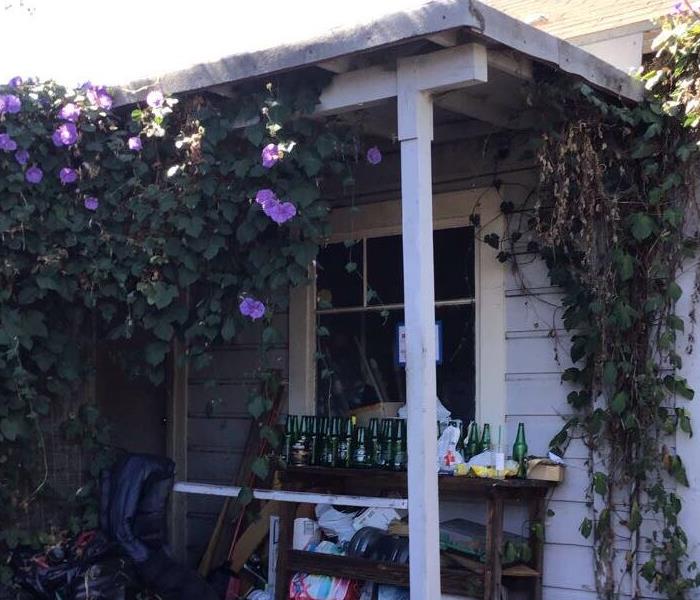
column 610, row 222
column 174, row 245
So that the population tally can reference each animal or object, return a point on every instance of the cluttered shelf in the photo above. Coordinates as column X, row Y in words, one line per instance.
column 453, row 579
column 339, row 479
column 474, row 558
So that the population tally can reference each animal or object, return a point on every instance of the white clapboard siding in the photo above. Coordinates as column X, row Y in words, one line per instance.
column 537, row 394
column 528, row 312
column 537, row 352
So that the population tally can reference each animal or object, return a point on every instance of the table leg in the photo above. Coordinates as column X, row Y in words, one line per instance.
column 494, row 544
column 286, row 514
column 537, row 516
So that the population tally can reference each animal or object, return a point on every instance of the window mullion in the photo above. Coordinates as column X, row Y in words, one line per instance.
column 364, row 272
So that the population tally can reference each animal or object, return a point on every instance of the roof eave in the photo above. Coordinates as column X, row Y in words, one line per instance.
column 429, row 19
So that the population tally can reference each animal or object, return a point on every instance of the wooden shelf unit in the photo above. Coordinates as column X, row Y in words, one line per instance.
column 469, row 578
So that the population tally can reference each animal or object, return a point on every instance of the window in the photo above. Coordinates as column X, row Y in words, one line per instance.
column 359, row 294
column 359, row 309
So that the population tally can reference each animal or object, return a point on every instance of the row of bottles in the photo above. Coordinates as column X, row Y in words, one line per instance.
column 339, row 442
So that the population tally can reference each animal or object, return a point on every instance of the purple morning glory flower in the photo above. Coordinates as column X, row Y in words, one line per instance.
column 266, row 198
column 68, row 175
column 7, row 143
column 70, row 112
column 281, row 212
column 34, row 174
column 155, row 99
column 135, row 144
column 270, row 155
column 65, row 135
column 91, row 203
column 374, row 156
column 22, row 156
column 10, row 104
column 15, row 82
column 98, row 96
column 250, row 307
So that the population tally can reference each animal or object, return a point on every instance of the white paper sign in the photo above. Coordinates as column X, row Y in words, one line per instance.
column 402, row 343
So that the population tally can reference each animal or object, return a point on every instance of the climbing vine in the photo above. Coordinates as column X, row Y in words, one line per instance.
column 613, row 219
column 180, row 219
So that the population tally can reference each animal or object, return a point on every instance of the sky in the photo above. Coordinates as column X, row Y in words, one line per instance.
column 117, row 42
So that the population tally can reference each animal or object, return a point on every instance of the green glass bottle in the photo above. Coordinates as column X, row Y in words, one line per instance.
column 326, row 457
column 334, row 439
column 472, row 447
column 387, row 443
column 520, row 450
column 345, row 444
column 400, row 458
column 313, row 441
column 485, row 443
column 375, row 447
column 360, row 455
column 460, row 440
column 290, row 429
column 301, row 448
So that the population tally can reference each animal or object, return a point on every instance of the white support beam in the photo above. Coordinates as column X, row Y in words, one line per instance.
column 336, row 65
column 357, row 89
column 483, row 109
column 415, row 124
column 446, row 39
column 451, row 68
column 231, row 491
column 511, row 63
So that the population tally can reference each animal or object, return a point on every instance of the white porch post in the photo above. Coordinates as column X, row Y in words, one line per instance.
column 415, row 125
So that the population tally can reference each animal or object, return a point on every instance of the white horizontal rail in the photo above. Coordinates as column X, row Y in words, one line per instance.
column 208, row 489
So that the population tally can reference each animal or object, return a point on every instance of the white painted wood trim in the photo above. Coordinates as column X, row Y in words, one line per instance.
column 230, row 491
column 490, row 330
column 302, row 350
column 415, row 124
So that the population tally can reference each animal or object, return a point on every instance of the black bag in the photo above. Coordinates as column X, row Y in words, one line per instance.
column 133, row 512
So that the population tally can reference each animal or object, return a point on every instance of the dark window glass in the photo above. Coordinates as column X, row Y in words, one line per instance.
column 456, row 374
column 454, row 266
column 385, row 270
column 339, row 276
column 358, row 366
column 454, row 263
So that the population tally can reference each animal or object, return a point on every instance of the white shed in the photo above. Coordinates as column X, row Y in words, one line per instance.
column 437, row 88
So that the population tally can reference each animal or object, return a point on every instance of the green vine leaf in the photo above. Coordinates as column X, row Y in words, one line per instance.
column 619, row 402
column 586, row 527
column 635, row 519
column 610, row 373
column 9, row 429
column 600, row 483
column 642, row 226
column 261, row 467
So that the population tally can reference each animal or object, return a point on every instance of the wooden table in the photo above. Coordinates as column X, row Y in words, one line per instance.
column 481, row 580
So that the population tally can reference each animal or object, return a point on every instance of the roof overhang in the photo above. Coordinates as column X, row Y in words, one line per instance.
column 446, row 22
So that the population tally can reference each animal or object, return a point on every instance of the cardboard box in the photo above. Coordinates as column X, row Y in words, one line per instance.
column 379, row 411
column 545, row 470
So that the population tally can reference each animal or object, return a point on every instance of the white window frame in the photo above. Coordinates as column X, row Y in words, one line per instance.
column 380, row 219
